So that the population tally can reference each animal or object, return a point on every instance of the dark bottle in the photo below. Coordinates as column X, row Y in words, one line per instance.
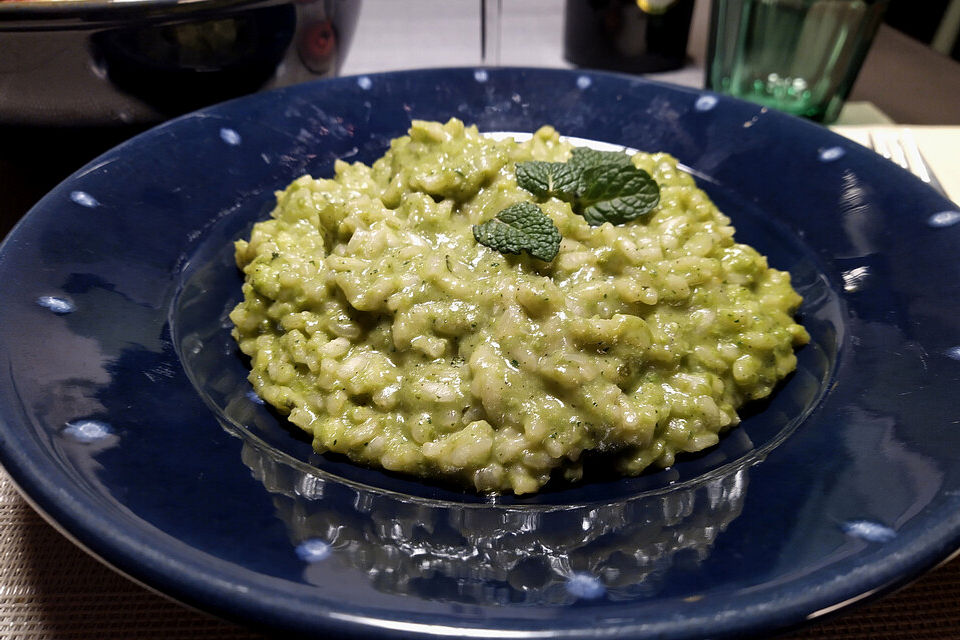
column 637, row 36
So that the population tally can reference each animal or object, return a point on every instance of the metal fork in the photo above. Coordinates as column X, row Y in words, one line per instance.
column 901, row 148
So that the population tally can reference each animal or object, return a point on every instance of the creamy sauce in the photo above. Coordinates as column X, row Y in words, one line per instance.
column 378, row 323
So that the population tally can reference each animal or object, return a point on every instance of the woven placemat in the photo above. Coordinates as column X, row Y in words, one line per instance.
column 51, row 590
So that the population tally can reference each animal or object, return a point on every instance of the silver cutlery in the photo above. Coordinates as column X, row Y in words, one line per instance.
column 901, row 148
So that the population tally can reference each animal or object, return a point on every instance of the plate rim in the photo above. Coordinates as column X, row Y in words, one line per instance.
column 199, row 587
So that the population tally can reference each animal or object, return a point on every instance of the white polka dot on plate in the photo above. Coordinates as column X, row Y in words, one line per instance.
column 59, row 306
column 313, row 550
column 869, row 531
column 705, row 103
column 831, row 153
column 481, row 75
column 230, row 136
column 88, row 431
column 84, row 199
column 583, row 82
column 583, row 585
column 364, row 83
column 944, row 219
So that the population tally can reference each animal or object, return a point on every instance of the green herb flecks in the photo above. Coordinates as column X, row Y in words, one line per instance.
column 521, row 227
column 601, row 186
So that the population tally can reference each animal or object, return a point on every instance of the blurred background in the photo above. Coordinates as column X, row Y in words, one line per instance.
column 79, row 77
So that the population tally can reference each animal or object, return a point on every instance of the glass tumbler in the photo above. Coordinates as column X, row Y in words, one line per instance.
column 799, row 56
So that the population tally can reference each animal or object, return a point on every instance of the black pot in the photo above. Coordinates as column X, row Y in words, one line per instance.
column 622, row 36
column 89, row 62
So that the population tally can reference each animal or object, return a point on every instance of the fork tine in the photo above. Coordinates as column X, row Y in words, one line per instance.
column 888, row 145
column 902, row 149
column 879, row 144
column 918, row 165
column 897, row 153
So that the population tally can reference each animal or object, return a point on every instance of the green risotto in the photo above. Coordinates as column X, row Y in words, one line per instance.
column 376, row 318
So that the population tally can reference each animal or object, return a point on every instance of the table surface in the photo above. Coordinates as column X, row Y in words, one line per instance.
column 50, row 589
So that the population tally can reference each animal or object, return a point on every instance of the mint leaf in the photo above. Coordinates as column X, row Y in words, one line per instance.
column 616, row 193
column 601, row 186
column 585, row 157
column 520, row 227
column 547, row 179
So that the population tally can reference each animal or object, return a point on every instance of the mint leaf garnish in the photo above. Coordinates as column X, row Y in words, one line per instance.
column 584, row 157
column 520, row 227
column 547, row 179
column 601, row 186
column 617, row 194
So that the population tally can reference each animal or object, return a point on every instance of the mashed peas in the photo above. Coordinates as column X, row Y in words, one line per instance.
column 374, row 318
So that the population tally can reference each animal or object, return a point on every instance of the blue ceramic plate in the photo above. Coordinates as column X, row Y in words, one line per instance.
column 127, row 420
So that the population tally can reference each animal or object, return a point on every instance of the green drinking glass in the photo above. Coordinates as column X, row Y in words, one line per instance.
column 799, row 56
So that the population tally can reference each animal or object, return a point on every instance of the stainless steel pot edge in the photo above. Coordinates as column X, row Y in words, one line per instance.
column 56, row 15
